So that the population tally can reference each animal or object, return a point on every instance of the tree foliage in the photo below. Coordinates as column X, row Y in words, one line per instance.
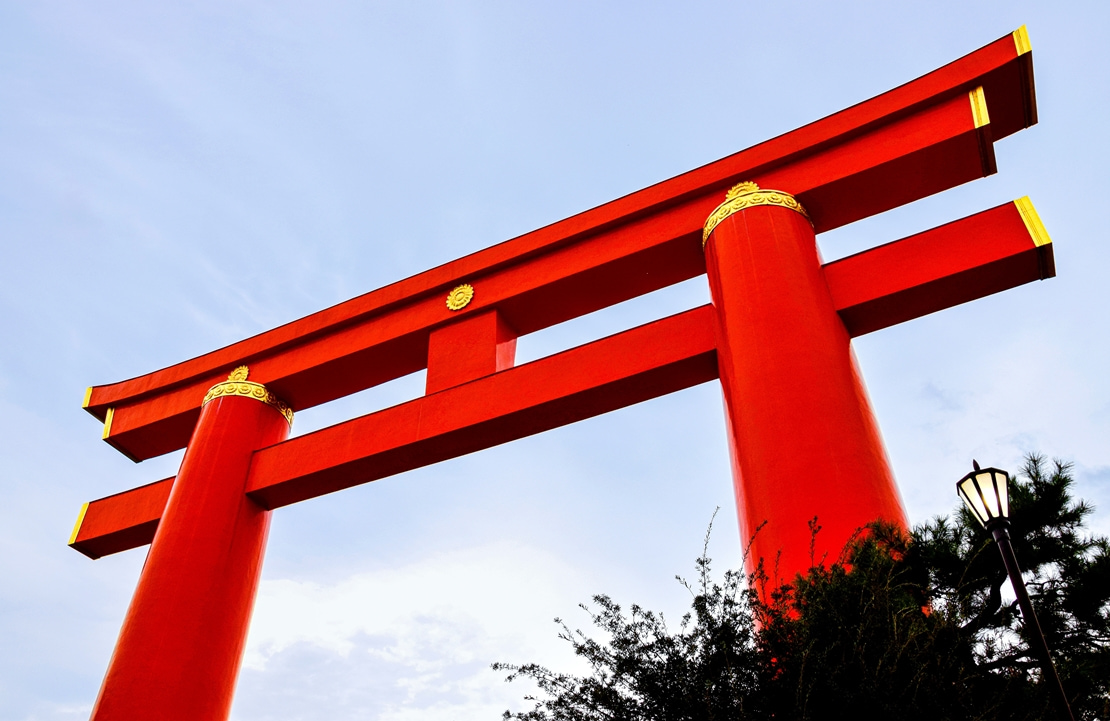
column 915, row 626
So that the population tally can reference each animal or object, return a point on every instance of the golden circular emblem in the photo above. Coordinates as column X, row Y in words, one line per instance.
column 459, row 297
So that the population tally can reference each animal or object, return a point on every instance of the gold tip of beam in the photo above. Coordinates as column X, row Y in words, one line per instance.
column 1032, row 221
column 108, row 423
column 979, row 107
column 77, row 526
column 88, row 397
column 1021, row 41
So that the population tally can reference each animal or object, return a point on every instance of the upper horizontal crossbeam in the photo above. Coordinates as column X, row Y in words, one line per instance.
column 915, row 140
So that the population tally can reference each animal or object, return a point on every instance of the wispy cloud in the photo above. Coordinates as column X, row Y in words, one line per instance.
column 419, row 637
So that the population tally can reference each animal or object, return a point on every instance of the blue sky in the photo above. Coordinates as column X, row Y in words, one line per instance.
column 174, row 178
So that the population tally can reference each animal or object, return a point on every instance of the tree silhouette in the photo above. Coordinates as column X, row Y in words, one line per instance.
column 916, row 626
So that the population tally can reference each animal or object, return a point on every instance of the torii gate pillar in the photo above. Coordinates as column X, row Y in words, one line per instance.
column 182, row 640
column 801, row 432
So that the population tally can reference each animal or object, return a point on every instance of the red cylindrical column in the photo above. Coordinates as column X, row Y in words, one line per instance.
column 803, row 439
column 178, row 653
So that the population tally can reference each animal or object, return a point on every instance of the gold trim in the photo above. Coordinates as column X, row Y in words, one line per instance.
column 979, row 107
column 77, row 526
column 1032, row 222
column 108, row 423
column 460, row 296
column 88, row 397
column 748, row 195
column 238, row 385
column 1021, row 41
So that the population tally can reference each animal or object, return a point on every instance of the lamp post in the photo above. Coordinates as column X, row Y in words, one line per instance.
column 984, row 490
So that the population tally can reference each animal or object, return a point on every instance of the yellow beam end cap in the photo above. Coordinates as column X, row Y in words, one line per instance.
column 1032, row 222
column 1021, row 41
column 979, row 107
column 108, row 423
column 77, row 526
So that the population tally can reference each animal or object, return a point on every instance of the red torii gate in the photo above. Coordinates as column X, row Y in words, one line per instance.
column 777, row 335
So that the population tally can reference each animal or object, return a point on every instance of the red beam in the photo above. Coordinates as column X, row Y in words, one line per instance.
column 121, row 521
column 985, row 253
column 970, row 258
column 621, row 370
column 912, row 141
column 636, row 365
column 936, row 148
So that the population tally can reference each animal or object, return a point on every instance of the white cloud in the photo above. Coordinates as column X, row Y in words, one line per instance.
column 411, row 641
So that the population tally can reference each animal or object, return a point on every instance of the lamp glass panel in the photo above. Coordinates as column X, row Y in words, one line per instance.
column 1000, row 481
column 974, row 501
column 985, row 482
column 970, row 507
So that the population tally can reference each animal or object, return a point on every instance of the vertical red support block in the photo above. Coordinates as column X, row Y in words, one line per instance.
column 178, row 653
column 472, row 347
column 803, row 439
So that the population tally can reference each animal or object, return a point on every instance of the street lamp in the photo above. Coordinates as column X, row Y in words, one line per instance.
column 985, row 493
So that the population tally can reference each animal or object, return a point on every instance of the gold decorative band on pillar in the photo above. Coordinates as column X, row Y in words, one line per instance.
column 238, row 385
column 748, row 195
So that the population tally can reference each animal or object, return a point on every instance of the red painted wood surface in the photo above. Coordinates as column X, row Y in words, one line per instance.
column 803, row 440
column 473, row 347
column 646, row 362
column 958, row 262
column 939, row 268
column 121, row 521
column 909, row 142
column 182, row 639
